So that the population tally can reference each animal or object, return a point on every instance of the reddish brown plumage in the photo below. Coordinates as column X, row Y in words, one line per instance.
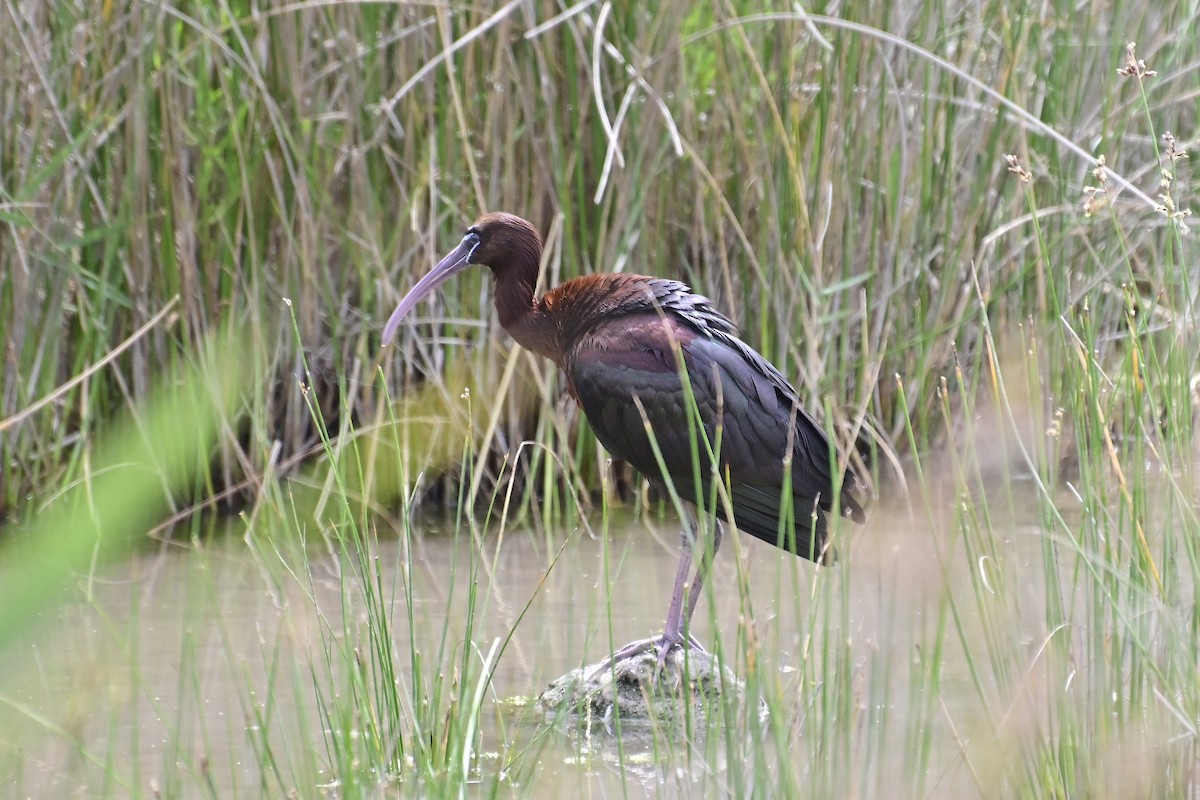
column 553, row 324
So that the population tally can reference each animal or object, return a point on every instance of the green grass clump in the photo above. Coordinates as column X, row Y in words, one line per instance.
column 961, row 230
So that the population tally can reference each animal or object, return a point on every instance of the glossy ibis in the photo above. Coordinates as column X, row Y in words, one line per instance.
column 620, row 341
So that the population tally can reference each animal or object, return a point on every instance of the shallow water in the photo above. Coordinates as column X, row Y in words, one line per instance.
column 189, row 664
column 166, row 676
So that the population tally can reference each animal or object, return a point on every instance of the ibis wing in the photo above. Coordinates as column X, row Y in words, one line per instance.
column 631, row 383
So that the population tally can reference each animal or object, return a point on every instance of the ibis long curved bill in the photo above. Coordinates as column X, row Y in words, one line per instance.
column 455, row 262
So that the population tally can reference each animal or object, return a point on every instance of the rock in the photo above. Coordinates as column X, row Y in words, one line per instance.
column 691, row 680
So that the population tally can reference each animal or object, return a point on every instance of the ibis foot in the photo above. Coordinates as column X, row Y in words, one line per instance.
column 661, row 646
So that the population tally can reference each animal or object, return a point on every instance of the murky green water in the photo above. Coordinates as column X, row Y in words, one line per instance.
column 191, row 664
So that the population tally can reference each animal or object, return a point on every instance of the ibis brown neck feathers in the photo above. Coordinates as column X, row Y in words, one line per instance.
column 513, row 251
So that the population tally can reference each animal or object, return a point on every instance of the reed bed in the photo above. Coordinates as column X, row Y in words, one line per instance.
column 962, row 230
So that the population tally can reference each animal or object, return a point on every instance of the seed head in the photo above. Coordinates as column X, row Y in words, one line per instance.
column 1174, row 153
column 1096, row 197
column 1172, row 212
column 1014, row 166
column 1134, row 66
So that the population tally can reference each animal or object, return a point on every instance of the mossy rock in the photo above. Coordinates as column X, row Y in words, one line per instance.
column 691, row 680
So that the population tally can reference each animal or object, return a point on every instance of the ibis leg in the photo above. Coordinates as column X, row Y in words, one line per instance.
column 703, row 568
column 686, row 592
column 684, row 597
column 672, row 634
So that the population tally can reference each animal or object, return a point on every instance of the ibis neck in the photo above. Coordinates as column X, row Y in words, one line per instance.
column 527, row 320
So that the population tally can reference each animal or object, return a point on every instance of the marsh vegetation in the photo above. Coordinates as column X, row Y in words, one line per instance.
column 961, row 230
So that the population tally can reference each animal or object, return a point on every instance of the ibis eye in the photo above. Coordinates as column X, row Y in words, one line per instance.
column 471, row 243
